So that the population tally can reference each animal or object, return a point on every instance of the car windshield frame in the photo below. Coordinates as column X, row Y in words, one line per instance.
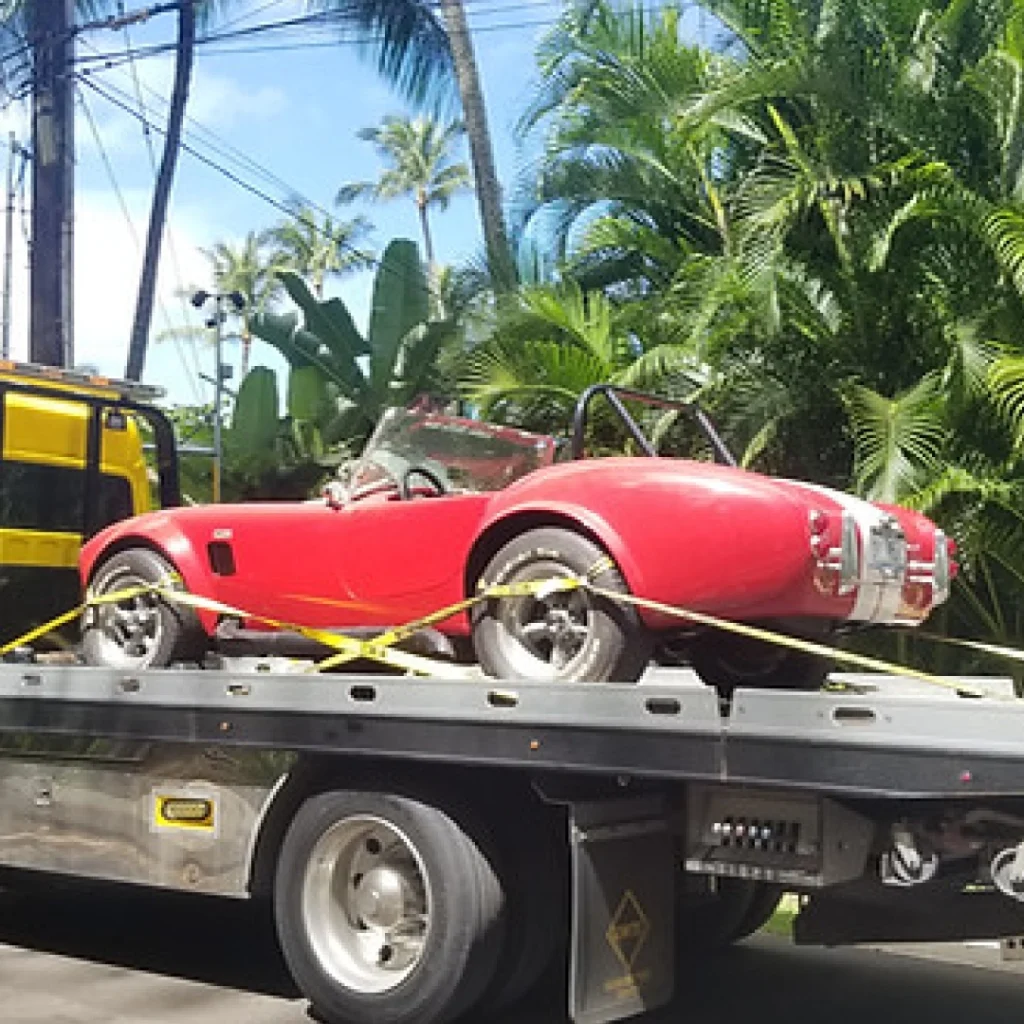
column 465, row 456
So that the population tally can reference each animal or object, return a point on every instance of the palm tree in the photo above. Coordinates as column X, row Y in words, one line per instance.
column 423, row 56
column 245, row 269
column 418, row 163
column 550, row 342
column 318, row 247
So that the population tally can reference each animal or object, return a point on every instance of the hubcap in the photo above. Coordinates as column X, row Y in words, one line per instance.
column 545, row 636
column 366, row 904
column 130, row 630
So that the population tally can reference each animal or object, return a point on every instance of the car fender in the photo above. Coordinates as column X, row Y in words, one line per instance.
column 537, row 512
column 161, row 533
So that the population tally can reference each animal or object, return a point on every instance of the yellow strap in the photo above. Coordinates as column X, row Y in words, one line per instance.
column 381, row 648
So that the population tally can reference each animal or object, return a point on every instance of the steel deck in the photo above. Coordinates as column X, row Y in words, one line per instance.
column 882, row 738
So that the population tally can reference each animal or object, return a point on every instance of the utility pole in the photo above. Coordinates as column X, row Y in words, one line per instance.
column 51, row 321
column 13, row 152
column 216, row 322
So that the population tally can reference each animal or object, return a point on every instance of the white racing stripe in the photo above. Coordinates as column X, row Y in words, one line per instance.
column 877, row 599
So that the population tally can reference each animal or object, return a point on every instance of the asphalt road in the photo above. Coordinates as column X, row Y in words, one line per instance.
column 151, row 958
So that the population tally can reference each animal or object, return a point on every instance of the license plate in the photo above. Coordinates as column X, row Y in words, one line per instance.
column 887, row 552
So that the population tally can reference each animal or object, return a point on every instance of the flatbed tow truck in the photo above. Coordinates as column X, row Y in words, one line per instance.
column 433, row 846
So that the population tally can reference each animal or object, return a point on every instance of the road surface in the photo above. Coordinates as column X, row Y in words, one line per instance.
column 136, row 957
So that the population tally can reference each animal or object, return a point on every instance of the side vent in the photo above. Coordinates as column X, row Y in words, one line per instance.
column 222, row 558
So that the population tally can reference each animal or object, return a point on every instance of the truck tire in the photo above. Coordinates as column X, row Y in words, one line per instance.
column 567, row 636
column 737, row 908
column 388, row 912
column 535, row 875
column 144, row 631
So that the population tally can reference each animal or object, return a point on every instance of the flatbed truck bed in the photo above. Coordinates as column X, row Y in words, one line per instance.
column 431, row 846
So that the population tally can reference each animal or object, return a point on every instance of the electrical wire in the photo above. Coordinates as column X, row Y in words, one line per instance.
column 133, row 232
column 172, row 249
column 231, row 176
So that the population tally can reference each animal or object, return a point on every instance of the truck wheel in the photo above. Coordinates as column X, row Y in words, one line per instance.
column 387, row 911
column 535, row 875
column 566, row 636
column 143, row 631
column 736, row 908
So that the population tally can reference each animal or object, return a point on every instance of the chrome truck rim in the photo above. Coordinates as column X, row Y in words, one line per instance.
column 366, row 904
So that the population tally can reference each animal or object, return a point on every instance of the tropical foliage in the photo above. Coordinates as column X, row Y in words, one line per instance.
column 419, row 164
column 319, row 247
column 819, row 219
column 340, row 380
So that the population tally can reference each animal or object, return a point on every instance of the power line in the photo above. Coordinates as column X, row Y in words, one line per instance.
column 328, row 21
column 171, row 247
column 133, row 232
column 239, row 181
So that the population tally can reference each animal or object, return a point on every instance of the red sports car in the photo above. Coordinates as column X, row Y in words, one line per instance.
column 436, row 504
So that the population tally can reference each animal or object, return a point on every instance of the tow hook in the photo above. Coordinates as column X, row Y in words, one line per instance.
column 1007, row 869
column 904, row 864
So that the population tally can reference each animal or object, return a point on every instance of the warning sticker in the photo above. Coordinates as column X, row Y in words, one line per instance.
column 627, row 935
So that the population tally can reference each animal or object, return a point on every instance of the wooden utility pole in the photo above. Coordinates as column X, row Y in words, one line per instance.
column 51, row 322
column 13, row 152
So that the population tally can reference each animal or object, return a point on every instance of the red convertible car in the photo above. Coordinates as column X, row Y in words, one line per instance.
column 436, row 504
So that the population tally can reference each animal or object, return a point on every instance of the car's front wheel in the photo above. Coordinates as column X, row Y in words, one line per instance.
column 559, row 635
column 141, row 630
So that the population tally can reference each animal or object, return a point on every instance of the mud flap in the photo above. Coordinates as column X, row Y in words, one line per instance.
column 623, row 936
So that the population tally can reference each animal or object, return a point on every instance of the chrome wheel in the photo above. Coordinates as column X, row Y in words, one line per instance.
column 129, row 632
column 366, row 904
column 548, row 634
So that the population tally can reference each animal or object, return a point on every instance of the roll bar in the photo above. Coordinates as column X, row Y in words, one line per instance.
column 614, row 396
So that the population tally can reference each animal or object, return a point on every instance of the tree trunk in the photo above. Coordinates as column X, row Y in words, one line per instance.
column 184, row 57
column 488, row 191
column 428, row 242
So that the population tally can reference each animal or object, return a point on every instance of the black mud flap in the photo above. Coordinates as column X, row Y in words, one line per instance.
column 623, row 935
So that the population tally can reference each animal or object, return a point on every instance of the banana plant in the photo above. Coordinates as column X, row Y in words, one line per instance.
column 341, row 381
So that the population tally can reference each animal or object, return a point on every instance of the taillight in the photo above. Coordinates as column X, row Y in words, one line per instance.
column 838, row 556
column 942, row 571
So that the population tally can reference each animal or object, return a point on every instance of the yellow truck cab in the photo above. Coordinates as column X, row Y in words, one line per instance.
column 72, row 461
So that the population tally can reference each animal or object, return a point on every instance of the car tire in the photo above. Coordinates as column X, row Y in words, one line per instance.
column 567, row 636
column 350, row 857
column 727, row 661
column 143, row 631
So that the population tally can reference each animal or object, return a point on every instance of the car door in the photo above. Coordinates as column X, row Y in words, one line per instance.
column 399, row 560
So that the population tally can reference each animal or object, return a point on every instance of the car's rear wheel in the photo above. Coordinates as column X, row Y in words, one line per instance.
column 142, row 630
column 561, row 636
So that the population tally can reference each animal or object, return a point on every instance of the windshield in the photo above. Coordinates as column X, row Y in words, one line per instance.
column 457, row 454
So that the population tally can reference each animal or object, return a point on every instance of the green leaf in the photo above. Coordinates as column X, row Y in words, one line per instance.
column 401, row 300
column 255, row 422
column 308, row 396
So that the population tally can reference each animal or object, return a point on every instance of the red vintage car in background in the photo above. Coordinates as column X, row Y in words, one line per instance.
column 436, row 504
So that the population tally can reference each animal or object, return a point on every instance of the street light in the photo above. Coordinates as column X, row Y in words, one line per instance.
column 199, row 299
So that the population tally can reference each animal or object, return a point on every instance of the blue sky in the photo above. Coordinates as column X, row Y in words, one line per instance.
column 296, row 114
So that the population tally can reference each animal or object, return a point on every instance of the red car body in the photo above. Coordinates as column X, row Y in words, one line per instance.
column 710, row 538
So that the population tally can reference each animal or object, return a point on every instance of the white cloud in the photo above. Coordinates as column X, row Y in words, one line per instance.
column 107, row 264
column 215, row 101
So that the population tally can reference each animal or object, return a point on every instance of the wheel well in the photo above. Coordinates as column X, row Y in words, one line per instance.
column 129, row 544
column 500, row 533
column 475, row 797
